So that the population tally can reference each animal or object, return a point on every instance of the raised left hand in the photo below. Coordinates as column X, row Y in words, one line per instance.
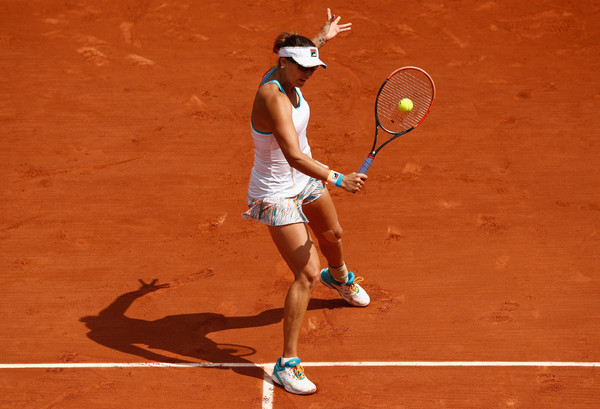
column 331, row 28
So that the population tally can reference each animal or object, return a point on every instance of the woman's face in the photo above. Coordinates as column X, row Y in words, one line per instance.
column 297, row 74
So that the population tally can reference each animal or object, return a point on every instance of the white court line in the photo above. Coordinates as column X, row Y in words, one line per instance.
column 73, row 365
column 129, row 365
column 268, row 387
column 456, row 363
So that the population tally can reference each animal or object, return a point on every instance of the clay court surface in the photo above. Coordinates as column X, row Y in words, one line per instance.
column 125, row 154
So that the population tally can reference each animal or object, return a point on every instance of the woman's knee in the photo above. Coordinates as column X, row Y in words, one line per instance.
column 309, row 276
column 333, row 235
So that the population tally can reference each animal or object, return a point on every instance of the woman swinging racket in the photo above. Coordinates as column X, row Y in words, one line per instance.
column 287, row 192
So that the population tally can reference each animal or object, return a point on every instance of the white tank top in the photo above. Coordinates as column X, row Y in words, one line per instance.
column 272, row 176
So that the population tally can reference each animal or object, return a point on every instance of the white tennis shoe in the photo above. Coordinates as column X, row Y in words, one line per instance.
column 291, row 377
column 353, row 293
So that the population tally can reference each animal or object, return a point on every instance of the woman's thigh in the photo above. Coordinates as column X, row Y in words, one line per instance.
column 296, row 247
column 322, row 216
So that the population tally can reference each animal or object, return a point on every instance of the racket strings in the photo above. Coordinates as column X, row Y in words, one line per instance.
column 409, row 83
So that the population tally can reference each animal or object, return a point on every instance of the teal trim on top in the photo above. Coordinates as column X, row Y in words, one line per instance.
column 278, row 84
column 263, row 82
column 267, row 75
column 299, row 99
column 256, row 130
column 281, row 89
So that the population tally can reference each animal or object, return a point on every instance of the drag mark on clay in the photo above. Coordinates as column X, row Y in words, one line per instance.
column 194, row 276
column 181, row 281
column 139, row 61
column 33, row 172
column 93, row 55
column 77, row 391
column 503, row 314
column 319, row 331
column 213, row 223
column 489, row 224
column 455, row 39
column 547, row 22
column 18, row 224
column 125, row 28
column 502, row 261
column 393, row 233
column 548, row 382
column 588, row 238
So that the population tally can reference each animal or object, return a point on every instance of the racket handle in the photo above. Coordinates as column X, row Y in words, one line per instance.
column 366, row 164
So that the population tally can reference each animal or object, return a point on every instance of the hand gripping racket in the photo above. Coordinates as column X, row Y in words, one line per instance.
column 407, row 82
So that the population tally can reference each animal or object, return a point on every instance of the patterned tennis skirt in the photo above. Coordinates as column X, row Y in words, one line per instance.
column 280, row 211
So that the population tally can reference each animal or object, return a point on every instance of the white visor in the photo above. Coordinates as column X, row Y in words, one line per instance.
column 305, row 56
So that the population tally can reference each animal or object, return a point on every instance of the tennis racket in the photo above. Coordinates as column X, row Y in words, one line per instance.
column 406, row 82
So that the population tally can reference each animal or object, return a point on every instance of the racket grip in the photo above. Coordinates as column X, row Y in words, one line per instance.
column 366, row 164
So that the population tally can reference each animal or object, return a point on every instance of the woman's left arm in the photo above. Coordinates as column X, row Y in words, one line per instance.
column 330, row 29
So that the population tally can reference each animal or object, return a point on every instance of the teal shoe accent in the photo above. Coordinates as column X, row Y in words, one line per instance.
column 351, row 291
column 328, row 279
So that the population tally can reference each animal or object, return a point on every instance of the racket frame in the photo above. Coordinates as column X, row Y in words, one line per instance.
column 374, row 150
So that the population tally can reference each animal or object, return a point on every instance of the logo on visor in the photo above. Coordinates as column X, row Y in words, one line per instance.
column 313, row 52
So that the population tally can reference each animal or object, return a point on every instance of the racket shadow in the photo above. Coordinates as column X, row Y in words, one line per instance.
column 182, row 338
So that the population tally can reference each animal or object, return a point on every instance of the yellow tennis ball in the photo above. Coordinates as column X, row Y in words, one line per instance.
column 405, row 105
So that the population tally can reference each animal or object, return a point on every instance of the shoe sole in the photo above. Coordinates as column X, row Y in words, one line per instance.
column 276, row 382
column 341, row 295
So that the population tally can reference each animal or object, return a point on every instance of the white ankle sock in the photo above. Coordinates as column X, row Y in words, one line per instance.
column 339, row 274
column 283, row 361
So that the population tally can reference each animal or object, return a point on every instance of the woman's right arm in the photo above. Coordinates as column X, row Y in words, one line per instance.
column 277, row 112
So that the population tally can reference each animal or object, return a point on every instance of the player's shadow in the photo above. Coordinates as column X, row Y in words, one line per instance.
column 184, row 335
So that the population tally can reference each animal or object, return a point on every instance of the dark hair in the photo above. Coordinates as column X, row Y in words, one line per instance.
column 291, row 39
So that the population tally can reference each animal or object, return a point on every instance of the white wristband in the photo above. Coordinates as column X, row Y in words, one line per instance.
column 335, row 178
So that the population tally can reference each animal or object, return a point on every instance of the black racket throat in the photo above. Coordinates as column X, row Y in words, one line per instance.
column 375, row 149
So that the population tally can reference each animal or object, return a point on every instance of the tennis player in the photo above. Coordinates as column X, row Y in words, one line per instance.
column 287, row 192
